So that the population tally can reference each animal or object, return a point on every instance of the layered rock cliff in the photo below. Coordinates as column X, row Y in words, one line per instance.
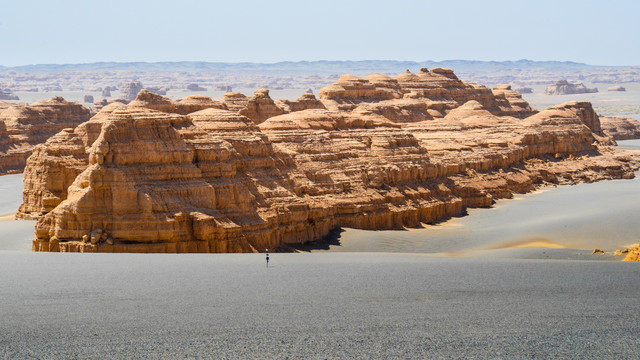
column 24, row 126
column 141, row 178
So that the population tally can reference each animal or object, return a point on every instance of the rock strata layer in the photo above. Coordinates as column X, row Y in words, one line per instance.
column 147, row 178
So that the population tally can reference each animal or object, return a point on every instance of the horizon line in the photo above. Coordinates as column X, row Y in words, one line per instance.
column 313, row 61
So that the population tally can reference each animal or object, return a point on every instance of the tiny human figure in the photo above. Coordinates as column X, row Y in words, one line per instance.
column 267, row 253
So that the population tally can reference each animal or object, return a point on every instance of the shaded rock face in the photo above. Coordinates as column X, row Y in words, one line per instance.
column 138, row 178
column 260, row 107
column 620, row 128
column 25, row 126
column 563, row 87
column 129, row 90
column 439, row 89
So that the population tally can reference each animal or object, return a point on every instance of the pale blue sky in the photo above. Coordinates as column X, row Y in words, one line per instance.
column 70, row 31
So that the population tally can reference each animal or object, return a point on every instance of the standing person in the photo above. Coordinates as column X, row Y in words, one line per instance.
column 267, row 253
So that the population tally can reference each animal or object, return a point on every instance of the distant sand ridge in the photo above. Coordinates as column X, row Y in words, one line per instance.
column 244, row 174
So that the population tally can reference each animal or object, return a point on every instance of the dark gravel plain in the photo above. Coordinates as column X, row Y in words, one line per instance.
column 315, row 306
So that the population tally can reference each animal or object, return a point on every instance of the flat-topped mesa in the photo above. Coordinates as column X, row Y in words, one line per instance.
column 581, row 111
column 440, row 89
column 305, row 102
column 25, row 126
column 260, row 107
column 563, row 87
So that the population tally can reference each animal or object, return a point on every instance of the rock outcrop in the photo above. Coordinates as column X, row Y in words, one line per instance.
column 633, row 254
column 563, row 87
column 439, row 89
column 129, row 90
column 196, row 175
column 25, row 126
column 524, row 90
column 98, row 105
column 146, row 178
column 305, row 102
column 621, row 128
column 194, row 87
column 235, row 101
column 616, row 88
column 260, row 107
column 193, row 103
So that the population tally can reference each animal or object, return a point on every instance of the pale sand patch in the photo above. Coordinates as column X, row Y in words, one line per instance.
column 7, row 217
column 543, row 243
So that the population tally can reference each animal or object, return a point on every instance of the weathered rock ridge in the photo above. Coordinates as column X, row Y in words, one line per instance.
column 384, row 153
column 24, row 126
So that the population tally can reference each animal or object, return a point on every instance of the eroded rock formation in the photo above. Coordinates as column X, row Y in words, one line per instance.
column 616, row 88
column 621, row 128
column 146, row 178
column 305, row 102
column 439, row 89
column 235, row 101
column 260, row 107
column 25, row 126
column 563, row 87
